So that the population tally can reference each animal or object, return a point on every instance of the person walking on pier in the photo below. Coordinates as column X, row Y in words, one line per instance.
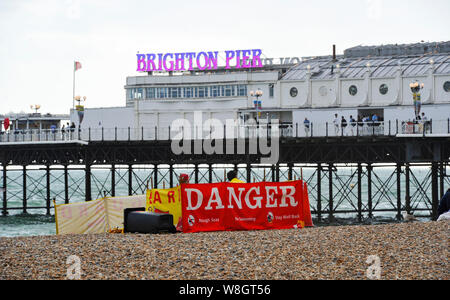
column 307, row 124
column 336, row 124
column 343, row 126
column 352, row 125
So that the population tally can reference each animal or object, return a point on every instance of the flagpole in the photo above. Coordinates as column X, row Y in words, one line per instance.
column 73, row 96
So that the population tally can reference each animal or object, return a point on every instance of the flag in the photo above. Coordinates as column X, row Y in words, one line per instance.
column 77, row 65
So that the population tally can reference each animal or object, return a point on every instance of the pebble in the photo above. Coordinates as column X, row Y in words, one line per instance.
column 406, row 251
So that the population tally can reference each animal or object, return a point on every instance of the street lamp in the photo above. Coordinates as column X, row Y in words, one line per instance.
column 257, row 102
column 36, row 107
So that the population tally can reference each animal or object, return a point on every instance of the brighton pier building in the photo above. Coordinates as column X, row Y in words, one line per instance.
column 364, row 81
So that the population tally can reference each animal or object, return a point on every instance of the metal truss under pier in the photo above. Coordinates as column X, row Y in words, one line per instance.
column 348, row 175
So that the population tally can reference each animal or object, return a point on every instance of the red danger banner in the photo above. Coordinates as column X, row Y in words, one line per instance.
column 252, row 206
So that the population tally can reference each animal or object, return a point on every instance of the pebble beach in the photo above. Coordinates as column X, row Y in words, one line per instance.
column 405, row 250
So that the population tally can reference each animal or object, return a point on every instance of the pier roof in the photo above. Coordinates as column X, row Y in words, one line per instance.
column 412, row 59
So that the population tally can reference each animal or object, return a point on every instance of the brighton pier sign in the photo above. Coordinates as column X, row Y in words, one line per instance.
column 189, row 61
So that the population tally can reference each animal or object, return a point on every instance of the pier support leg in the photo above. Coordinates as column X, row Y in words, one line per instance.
column 155, row 176
column 130, row 180
column 434, row 190
column 48, row 190
column 290, row 171
column 277, row 173
column 407, row 189
column 196, row 173
column 273, row 173
column 210, row 173
column 442, row 179
column 66, row 184
column 330, row 192
column 369, row 189
column 249, row 173
column 88, row 196
column 399, row 192
column 171, row 176
column 24, row 188
column 319, row 192
column 113, row 180
column 5, row 194
column 360, row 216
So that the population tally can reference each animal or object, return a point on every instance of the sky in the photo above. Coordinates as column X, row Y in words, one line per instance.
column 40, row 39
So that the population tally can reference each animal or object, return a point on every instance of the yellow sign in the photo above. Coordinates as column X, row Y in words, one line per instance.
column 165, row 201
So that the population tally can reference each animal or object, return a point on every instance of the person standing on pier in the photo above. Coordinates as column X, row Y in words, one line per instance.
column 336, row 124
column 343, row 125
column 307, row 124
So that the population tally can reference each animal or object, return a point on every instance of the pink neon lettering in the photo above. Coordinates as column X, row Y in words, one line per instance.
column 205, row 59
column 179, row 62
column 229, row 55
column 190, row 56
column 257, row 63
column 141, row 60
column 151, row 61
column 213, row 61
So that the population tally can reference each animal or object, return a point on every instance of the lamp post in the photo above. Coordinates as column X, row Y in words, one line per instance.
column 257, row 102
column 36, row 107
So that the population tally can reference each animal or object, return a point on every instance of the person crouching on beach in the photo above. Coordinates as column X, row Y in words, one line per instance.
column 232, row 177
column 183, row 179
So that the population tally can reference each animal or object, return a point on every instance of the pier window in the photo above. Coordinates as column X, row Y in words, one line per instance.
column 384, row 89
column 202, row 92
column 242, row 90
column 293, row 92
column 150, row 93
column 447, row 86
column 215, row 91
column 188, row 92
column 271, row 90
column 136, row 93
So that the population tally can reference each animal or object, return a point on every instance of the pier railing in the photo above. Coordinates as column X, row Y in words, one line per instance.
column 297, row 130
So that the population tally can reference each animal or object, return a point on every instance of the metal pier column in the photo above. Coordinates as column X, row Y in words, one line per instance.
column 24, row 189
column 48, row 190
column 399, row 192
column 360, row 216
column 210, row 173
column 113, row 180
column 130, row 180
column 196, row 173
column 290, row 166
column 171, row 176
column 319, row 192
column 5, row 201
column 249, row 173
column 277, row 173
column 369, row 189
column 330, row 191
column 434, row 190
column 155, row 175
column 88, row 196
column 66, row 185
column 407, row 189
column 442, row 179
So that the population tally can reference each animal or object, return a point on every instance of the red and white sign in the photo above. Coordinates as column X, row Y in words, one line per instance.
column 254, row 206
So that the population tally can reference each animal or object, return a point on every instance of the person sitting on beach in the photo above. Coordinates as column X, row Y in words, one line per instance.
column 444, row 205
column 232, row 177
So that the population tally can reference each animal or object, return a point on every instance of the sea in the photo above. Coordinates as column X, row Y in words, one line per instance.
column 384, row 191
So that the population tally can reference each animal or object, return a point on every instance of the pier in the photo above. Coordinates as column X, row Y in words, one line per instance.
column 73, row 160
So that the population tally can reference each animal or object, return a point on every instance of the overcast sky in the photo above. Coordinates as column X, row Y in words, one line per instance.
column 40, row 39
